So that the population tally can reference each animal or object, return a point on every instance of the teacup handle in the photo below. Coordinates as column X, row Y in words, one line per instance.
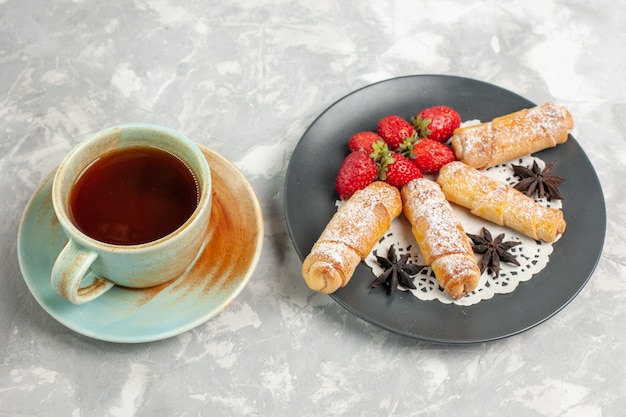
column 70, row 269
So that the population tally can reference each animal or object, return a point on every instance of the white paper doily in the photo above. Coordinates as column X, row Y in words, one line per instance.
column 532, row 255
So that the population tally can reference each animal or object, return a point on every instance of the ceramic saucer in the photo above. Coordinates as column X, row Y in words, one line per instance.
column 233, row 249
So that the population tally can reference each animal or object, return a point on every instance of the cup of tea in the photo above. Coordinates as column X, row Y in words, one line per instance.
column 134, row 201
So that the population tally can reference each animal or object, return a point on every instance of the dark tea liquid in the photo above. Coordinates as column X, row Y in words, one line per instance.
column 133, row 196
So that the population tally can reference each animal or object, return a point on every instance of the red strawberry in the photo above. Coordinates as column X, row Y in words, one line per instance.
column 401, row 171
column 436, row 123
column 431, row 155
column 394, row 130
column 394, row 168
column 363, row 141
column 356, row 172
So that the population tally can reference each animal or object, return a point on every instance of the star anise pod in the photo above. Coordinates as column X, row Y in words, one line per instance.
column 397, row 271
column 493, row 250
column 538, row 181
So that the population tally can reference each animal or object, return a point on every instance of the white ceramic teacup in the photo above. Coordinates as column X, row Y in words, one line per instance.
column 86, row 267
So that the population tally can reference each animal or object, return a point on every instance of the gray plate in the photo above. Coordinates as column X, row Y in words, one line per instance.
column 310, row 203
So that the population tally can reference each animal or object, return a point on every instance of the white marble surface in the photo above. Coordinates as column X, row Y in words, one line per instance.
column 247, row 78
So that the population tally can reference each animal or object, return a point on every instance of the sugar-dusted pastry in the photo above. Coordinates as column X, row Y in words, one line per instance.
column 513, row 135
column 350, row 236
column 440, row 237
column 500, row 203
